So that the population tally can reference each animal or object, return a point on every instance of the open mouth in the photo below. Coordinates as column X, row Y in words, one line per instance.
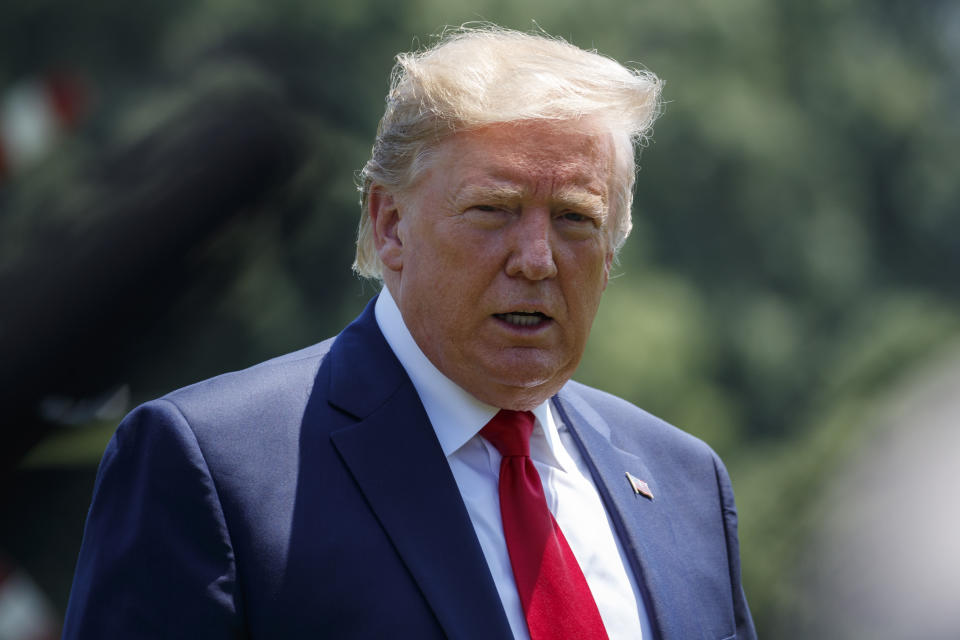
column 523, row 318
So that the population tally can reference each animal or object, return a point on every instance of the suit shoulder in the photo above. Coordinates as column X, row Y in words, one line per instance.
column 284, row 377
column 234, row 416
column 266, row 400
column 629, row 423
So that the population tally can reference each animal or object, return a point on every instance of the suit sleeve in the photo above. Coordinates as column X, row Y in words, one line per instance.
column 741, row 611
column 156, row 559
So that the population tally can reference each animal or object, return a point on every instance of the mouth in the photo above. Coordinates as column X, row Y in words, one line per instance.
column 524, row 319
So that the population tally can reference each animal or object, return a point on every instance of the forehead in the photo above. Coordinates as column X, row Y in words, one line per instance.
column 533, row 157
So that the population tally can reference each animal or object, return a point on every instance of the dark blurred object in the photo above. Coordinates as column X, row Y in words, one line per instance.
column 40, row 531
column 90, row 274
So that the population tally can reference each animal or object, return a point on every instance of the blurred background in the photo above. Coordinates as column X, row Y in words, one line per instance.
column 177, row 200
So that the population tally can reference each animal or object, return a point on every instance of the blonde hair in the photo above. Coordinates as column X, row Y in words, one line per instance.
column 479, row 75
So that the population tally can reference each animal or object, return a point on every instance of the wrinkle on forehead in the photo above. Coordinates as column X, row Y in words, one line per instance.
column 573, row 161
column 571, row 143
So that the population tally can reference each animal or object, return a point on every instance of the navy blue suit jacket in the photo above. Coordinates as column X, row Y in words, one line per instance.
column 308, row 497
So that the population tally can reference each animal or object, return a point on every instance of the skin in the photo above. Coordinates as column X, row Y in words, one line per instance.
column 510, row 219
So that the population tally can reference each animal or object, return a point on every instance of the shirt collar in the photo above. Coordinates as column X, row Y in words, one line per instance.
column 455, row 414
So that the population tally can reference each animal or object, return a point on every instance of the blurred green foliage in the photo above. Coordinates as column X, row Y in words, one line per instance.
column 796, row 243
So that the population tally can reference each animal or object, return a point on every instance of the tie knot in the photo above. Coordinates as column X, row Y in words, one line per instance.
column 509, row 431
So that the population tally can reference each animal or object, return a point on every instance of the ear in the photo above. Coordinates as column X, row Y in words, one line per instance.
column 385, row 223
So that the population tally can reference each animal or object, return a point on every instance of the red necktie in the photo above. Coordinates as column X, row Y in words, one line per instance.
column 556, row 599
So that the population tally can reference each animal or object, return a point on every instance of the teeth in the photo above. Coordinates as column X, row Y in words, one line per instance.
column 522, row 318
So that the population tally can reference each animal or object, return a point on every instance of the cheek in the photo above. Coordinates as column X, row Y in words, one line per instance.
column 587, row 287
column 464, row 253
column 592, row 261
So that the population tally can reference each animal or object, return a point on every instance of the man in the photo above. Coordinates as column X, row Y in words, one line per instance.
column 432, row 472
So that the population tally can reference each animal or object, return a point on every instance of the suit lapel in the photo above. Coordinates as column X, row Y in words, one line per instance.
column 395, row 458
column 643, row 525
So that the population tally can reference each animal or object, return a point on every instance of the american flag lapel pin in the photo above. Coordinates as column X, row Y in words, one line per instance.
column 639, row 487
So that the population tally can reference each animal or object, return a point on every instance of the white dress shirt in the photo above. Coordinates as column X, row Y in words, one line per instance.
column 457, row 418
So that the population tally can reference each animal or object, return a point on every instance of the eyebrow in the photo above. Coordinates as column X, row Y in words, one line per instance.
column 492, row 193
column 582, row 200
column 574, row 198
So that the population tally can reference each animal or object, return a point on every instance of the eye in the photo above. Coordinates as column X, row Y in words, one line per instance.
column 578, row 218
column 486, row 216
column 573, row 216
column 579, row 224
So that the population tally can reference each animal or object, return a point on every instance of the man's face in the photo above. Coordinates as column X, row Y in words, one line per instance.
column 498, row 254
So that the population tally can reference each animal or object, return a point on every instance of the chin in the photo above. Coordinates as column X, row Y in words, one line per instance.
column 521, row 375
column 524, row 399
column 523, row 393
column 511, row 380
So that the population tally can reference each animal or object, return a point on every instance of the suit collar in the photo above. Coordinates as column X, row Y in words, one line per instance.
column 643, row 525
column 393, row 454
column 364, row 373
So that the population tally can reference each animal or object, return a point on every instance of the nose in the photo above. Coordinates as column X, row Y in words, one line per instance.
column 532, row 247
